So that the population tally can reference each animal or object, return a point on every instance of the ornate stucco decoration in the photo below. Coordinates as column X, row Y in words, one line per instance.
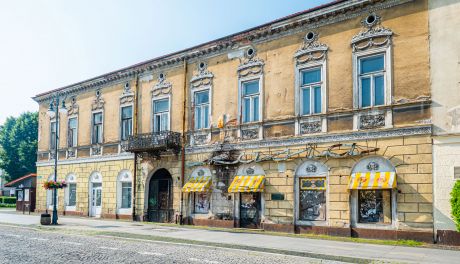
column 203, row 77
column 310, row 127
column 311, row 50
column 373, row 34
column 98, row 102
column 73, row 107
column 127, row 96
column 251, row 65
column 250, row 134
column 162, row 87
column 372, row 121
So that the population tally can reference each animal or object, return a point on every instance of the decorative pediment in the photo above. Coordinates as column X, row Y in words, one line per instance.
column 311, row 50
column 162, row 87
column 203, row 77
column 73, row 107
column 250, row 65
column 127, row 96
column 98, row 102
column 373, row 34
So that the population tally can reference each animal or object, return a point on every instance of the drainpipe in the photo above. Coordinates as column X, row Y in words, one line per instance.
column 183, row 145
column 136, row 81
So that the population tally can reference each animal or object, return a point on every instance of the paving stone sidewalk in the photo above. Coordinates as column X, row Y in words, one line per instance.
column 314, row 246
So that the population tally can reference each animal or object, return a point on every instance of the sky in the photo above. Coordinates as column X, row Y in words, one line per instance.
column 47, row 44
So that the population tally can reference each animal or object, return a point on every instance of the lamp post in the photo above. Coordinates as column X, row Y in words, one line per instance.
column 53, row 111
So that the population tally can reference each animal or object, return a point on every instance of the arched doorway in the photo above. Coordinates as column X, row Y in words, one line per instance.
column 95, row 194
column 160, row 208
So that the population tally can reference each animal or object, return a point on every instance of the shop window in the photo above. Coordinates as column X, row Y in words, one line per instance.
column 201, row 203
column 72, row 194
column 312, row 199
column 124, row 192
column 126, row 195
column 374, row 206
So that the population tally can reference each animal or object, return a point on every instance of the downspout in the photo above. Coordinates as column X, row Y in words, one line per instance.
column 183, row 144
column 135, row 131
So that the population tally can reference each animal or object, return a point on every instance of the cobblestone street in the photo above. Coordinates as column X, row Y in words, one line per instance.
column 23, row 245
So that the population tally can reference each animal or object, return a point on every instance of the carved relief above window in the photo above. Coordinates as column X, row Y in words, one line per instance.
column 373, row 34
column 73, row 107
column 128, row 95
column 163, row 87
column 250, row 133
column 251, row 65
column 98, row 102
column 311, row 127
column 311, row 50
column 203, row 77
column 201, row 138
column 371, row 121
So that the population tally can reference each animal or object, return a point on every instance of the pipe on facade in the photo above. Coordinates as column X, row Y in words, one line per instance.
column 135, row 131
column 183, row 144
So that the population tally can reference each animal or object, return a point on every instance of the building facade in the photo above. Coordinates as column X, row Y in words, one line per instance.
column 318, row 122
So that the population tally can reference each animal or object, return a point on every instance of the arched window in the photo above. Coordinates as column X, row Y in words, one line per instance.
column 372, row 183
column 124, row 192
column 201, row 177
column 71, row 192
column 49, row 195
column 311, row 184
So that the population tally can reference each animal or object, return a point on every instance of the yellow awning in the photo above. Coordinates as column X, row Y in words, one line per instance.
column 197, row 184
column 372, row 180
column 247, row 184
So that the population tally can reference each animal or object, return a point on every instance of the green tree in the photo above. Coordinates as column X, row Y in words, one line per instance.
column 455, row 204
column 18, row 145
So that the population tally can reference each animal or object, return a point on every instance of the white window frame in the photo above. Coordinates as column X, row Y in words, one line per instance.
column 159, row 98
column 372, row 77
column 242, row 82
column 121, row 179
column 388, row 83
column 52, row 125
column 70, row 179
column 76, row 131
column 194, row 92
column 92, row 127
column 312, row 94
column 121, row 119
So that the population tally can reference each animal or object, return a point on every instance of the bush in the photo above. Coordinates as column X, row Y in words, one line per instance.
column 455, row 204
column 7, row 205
column 7, row 200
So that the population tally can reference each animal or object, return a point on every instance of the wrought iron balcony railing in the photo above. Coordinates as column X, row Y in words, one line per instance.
column 154, row 142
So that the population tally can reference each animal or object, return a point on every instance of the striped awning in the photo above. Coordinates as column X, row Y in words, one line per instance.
column 372, row 180
column 247, row 184
column 197, row 184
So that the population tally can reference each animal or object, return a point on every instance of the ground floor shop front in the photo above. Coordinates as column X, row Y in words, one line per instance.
column 347, row 189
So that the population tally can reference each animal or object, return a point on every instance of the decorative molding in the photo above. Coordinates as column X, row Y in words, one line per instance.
column 372, row 121
column 71, row 153
column 373, row 166
column 311, row 127
column 127, row 96
column 103, row 158
column 249, row 134
column 73, row 107
column 326, row 138
column 203, row 77
column 250, row 66
column 311, row 168
column 163, row 87
column 201, row 138
column 98, row 102
column 96, row 150
column 311, row 50
column 373, row 34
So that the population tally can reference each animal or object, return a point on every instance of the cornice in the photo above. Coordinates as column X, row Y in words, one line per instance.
column 309, row 19
column 103, row 158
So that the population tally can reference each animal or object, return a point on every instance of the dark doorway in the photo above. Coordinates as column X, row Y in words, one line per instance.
column 250, row 210
column 160, row 197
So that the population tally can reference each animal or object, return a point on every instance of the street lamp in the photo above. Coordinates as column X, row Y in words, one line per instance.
column 53, row 111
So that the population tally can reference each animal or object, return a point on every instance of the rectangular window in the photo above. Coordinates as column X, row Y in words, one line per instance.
column 311, row 98
column 125, row 195
column 72, row 132
column 250, row 101
column 97, row 128
column 20, row 196
column 374, row 206
column 72, row 194
column 26, row 195
column 52, row 135
column 201, row 110
column 312, row 197
column 126, row 122
column 201, row 203
column 372, row 80
column 161, row 115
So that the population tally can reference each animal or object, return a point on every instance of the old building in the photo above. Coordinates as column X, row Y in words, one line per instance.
column 318, row 122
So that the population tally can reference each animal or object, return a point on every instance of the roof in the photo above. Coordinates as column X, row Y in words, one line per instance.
column 11, row 183
column 226, row 38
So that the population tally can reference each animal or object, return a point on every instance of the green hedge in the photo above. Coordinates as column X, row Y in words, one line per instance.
column 7, row 200
column 7, row 205
column 455, row 203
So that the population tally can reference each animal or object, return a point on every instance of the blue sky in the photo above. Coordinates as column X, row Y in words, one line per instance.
column 47, row 44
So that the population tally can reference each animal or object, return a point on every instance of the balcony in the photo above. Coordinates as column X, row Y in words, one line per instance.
column 154, row 143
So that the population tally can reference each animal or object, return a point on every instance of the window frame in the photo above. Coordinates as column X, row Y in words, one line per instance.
column 371, row 76
column 131, row 125
column 194, row 107
column 311, row 86
column 251, row 97
column 160, row 98
column 92, row 127
column 70, row 179
column 53, row 138
column 120, row 180
column 75, row 135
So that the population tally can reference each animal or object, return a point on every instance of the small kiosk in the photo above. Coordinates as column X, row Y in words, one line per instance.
column 25, row 192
